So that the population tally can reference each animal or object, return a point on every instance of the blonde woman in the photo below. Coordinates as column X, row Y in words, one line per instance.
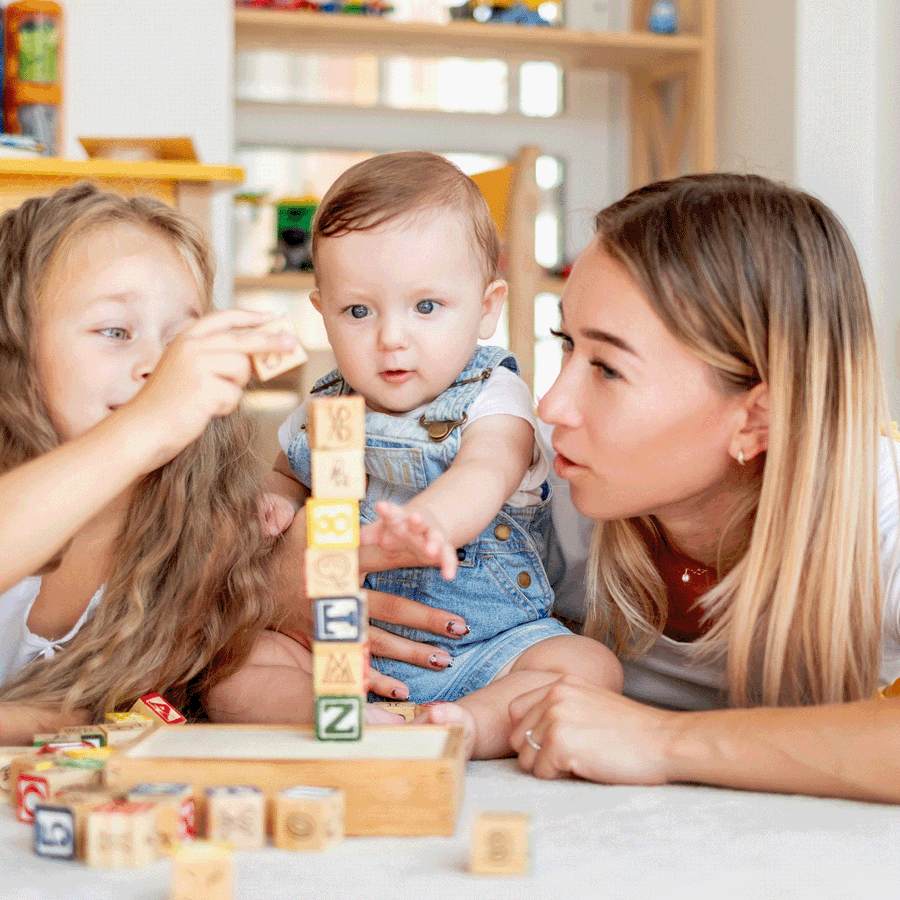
column 127, row 563
column 719, row 417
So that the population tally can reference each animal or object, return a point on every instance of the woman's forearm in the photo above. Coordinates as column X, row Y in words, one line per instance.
column 844, row 750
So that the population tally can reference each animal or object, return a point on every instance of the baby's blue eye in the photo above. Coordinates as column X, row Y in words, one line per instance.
column 425, row 306
column 359, row 311
column 119, row 334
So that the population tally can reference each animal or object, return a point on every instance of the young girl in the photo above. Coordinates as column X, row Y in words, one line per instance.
column 720, row 416
column 126, row 560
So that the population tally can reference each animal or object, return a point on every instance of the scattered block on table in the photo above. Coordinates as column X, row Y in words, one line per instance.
column 397, row 781
column 500, row 844
column 127, row 718
column 55, row 831
column 7, row 755
column 308, row 818
column 79, row 801
column 340, row 619
column 121, row 835
column 84, row 758
column 55, row 747
column 92, row 734
column 236, row 814
column 339, row 718
column 336, row 423
column 268, row 365
column 153, row 706
column 331, row 573
column 338, row 474
column 32, row 787
column 177, row 810
column 201, row 870
column 405, row 708
column 120, row 734
column 332, row 524
column 63, row 739
column 339, row 668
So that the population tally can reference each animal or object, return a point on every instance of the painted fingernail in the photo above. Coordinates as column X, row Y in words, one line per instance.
column 440, row 662
column 457, row 628
column 399, row 694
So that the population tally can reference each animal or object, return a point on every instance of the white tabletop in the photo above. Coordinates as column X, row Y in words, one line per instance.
column 588, row 841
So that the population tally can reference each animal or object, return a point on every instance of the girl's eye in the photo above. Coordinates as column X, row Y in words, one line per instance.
column 117, row 334
column 567, row 345
column 425, row 306
column 359, row 311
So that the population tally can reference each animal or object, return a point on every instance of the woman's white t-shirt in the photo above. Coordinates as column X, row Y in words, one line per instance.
column 667, row 676
column 18, row 644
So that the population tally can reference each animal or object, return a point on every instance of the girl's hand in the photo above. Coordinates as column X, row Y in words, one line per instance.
column 592, row 733
column 201, row 375
column 275, row 513
column 289, row 586
column 399, row 529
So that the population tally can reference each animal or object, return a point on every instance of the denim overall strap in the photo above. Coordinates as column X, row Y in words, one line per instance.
column 331, row 385
column 450, row 407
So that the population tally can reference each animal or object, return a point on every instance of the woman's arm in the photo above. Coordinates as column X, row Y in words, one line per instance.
column 19, row 723
column 839, row 750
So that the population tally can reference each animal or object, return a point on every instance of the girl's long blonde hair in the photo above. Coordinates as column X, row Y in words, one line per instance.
column 186, row 594
column 761, row 282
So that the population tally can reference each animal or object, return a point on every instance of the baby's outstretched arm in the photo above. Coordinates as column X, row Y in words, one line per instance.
column 282, row 499
column 494, row 455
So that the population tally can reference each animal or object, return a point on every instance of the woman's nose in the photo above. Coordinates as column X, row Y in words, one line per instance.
column 559, row 405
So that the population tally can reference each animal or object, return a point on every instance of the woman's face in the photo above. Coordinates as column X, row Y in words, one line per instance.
column 641, row 428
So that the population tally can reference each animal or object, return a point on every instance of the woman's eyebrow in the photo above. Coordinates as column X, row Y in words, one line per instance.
column 596, row 334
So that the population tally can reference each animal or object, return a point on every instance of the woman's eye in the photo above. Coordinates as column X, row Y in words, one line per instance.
column 607, row 373
column 567, row 345
column 117, row 334
column 359, row 311
column 425, row 306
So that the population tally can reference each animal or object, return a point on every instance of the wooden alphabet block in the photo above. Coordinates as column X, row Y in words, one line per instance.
column 128, row 718
column 331, row 573
column 405, row 708
column 79, row 801
column 236, row 815
column 121, row 734
column 64, row 739
column 339, row 668
column 92, row 734
column 337, row 619
column 176, row 808
column 55, row 831
column 121, row 835
column 41, row 784
column 201, row 870
column 339, row 718
column 308, row 818
column 338, row 474
column 332, row 524
column 500, row 844
column 336, row 423
column 268, row 365
column 153, row 706
column 7, row 755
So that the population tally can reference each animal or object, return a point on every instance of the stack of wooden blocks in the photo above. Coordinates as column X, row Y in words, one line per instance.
column 336, row 428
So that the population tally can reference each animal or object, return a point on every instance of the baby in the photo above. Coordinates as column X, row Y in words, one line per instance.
column 406, row 261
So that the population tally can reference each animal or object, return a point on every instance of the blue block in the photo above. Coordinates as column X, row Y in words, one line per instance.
column 339, row 619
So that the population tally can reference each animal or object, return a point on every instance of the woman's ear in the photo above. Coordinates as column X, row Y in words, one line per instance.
column 752, row 434
column 492, row 305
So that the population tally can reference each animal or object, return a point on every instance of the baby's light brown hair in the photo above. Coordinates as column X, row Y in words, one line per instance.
column 386, row 187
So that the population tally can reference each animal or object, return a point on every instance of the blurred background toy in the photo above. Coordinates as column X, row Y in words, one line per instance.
column 663, row 18
column 521, row 12
column 294, row 233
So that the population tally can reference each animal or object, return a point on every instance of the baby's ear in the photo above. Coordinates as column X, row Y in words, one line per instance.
column 492, row 305
column 316, row 300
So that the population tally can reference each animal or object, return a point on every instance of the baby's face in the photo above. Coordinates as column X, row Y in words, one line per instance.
column 404, row 306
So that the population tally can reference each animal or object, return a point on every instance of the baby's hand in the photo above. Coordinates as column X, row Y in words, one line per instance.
column 399, row 528
column 275, row 513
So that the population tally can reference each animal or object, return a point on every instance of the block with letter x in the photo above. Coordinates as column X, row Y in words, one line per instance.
column 340, row 619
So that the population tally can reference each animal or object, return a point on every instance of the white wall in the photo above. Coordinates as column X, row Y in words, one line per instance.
column 154, row 68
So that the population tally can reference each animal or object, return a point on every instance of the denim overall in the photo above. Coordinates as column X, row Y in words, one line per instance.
column 501, row 587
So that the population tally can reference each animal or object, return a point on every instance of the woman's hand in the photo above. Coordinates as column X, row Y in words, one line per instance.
column 592, row 733
column 290, row 587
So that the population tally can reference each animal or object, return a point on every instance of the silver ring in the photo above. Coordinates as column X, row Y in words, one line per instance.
column 531, row 741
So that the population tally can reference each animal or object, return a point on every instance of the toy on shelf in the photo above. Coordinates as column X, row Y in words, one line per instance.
column 349, row 7
column 663, row 18
column 519, row 12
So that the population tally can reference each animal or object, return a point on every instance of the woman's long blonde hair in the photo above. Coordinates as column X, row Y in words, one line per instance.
column 186, row 594
column 761, row 282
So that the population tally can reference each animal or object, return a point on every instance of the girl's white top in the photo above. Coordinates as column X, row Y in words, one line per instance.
column 18, row 644
column 667, row 676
